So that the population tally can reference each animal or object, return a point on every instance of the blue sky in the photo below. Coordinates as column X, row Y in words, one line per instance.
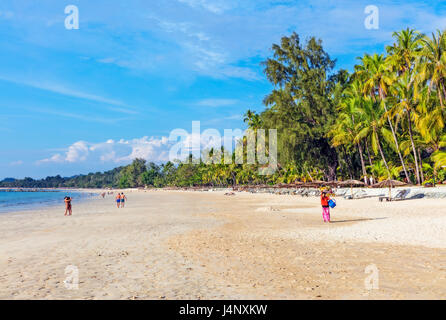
column 87, row 100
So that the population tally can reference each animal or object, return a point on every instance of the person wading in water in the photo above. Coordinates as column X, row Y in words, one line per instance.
column 67, row 201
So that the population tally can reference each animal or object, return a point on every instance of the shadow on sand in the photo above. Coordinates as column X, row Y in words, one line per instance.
column 357, row 220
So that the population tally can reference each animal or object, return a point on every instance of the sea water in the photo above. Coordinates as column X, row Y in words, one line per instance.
column 14, row 200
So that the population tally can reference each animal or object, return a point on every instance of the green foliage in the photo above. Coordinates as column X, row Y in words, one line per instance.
column 302, row 105
column 399, row 110
column 124, row 181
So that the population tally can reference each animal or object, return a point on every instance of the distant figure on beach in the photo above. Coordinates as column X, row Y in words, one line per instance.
column 123, row 199
column 118, row 200
column 67, row 201
column 103, row 195
column 325, row 207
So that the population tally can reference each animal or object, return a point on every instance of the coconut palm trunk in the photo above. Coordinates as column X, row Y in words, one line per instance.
column 364, row 172
column 368, row 152
column 382, row 154
column 413, row 149
column 394, row 137
column 441, row 99
column 421, row 166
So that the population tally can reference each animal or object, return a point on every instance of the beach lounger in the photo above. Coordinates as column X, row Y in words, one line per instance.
column 401, row 195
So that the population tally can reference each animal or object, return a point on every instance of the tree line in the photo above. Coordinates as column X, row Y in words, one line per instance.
column 391, row 114
column 384, row 120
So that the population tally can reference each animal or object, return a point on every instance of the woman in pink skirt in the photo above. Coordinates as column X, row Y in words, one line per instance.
column 325, row 207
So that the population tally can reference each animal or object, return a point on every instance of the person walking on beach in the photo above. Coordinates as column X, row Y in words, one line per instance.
column 325, row 206
column 118, row 200
column 123, row 200
column 67, row 201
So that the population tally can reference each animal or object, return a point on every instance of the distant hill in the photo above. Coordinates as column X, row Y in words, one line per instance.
column 91, row 180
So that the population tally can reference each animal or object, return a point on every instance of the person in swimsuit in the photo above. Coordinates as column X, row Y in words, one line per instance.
column 67, row 201
column 123, row 199
column 118, row 200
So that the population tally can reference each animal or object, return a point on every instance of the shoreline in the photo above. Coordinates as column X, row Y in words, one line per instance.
column 46, row 203
column 413, row 193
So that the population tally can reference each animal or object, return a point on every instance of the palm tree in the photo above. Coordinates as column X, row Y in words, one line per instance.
column 406, row 104
column 346, row 130
column 376, row 73
column 371, row 122
column 430, row 127
column 405, row 50
column 432, row 65
column 402, row 56
column 378, row 170
column 439, row 159
column 253, row 120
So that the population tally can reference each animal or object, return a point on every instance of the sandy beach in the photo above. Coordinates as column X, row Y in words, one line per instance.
column 205, row 245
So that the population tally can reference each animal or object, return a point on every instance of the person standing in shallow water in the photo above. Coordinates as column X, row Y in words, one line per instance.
column 68, row 210
column 118, row 200
column 325, row 207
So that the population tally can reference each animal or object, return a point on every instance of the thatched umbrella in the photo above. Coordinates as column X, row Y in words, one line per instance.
column 331, row 183
column 289, row 185
column 389, row 183
column 351, row 183
column 307, row 185
column 313, row 184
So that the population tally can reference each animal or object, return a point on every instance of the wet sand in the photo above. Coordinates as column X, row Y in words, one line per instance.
column 204, row 245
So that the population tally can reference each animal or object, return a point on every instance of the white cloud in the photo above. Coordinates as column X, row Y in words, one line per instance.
column 215, row 62
column 186, row 28
column 16, row 163
column 214, row 6
column 107, row 60
column 239, row 72
column 234, row 117
column 216, row 102
column 122, row 151
column 145, row 148
column 206, row 57
column 77, row 152
column 57, row 158
column 62, row 90
column 77, row 116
